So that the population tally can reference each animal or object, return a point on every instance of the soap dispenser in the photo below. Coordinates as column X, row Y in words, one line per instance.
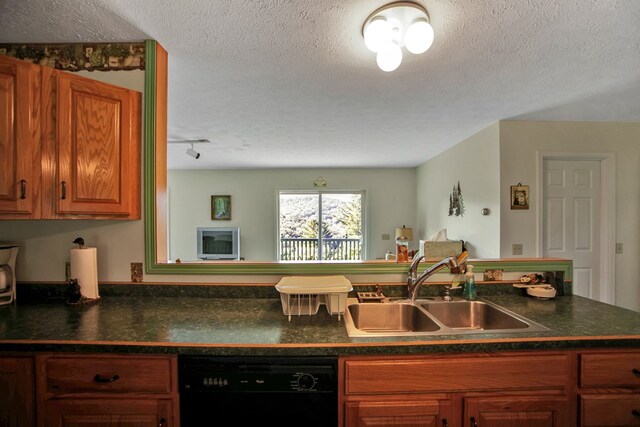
column 470, row 285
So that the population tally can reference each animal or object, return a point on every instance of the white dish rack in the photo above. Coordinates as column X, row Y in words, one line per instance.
column 303, row 295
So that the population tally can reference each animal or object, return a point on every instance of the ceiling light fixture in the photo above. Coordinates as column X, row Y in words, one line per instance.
column 190, row 151
column 397, row 25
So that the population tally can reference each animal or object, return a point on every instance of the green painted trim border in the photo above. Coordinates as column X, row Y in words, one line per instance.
column 276, row 268
column 545, row 265
column 149, row 150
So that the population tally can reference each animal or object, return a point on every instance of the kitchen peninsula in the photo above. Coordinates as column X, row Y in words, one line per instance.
column 56, row 344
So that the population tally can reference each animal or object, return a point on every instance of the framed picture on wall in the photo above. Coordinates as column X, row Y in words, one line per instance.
column 519, row 196
column 220, row 207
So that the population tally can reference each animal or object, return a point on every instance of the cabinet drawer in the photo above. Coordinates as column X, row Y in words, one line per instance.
column 610, row 410
column 111, row 374
column 457, row 374
column 610, row 370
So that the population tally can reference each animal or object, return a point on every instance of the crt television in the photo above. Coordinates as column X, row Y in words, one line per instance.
column 219, row 243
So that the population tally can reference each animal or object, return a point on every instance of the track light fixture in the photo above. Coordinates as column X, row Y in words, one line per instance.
column 190, row 151
column 193, row 153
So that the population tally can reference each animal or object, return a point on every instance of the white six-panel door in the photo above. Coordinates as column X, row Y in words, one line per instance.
column 572, row 220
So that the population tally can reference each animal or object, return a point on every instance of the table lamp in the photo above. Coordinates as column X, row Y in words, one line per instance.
column 403, row 236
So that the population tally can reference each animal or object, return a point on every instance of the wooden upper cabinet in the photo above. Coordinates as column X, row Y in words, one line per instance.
column 19, row 138
column 69, row 146
column 92, row 140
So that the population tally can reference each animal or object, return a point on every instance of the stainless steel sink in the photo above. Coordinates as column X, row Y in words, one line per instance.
column 395, row 318
column 425, row 317
column 473, row 315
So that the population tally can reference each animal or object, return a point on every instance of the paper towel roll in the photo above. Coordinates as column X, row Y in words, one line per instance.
column 84, row 267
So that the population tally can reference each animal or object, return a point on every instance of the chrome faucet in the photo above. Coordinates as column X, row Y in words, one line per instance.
column 414, row 281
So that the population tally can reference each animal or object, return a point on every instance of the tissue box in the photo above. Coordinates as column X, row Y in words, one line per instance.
column 439, row 250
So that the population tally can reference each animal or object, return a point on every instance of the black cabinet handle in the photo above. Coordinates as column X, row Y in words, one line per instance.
column 635, row 413
column 23, row 189
column 636, row 372
column 473, row 422
column 445, row 423
column 64, row 190
column 103, row 380
column 162, row 422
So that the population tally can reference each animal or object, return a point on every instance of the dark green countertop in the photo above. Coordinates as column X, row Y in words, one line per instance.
column 255, row 326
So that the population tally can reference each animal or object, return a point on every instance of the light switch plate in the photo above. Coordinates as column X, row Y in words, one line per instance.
column 517, row 249
column 618, row 248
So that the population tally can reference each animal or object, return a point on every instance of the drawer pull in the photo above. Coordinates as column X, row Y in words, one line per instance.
column 64, row 190
column 162, row 422
column 23, row 189
column 636, row 372
column 473, row 422
column 445, row 423
column 635, row 413
column 103, row 380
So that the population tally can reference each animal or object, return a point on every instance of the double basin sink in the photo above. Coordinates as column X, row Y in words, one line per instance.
column 427, row 317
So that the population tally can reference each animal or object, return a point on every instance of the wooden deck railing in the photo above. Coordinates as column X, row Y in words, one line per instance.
column 332, row 250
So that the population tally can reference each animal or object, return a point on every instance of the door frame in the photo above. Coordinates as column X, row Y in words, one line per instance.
column 607, row 213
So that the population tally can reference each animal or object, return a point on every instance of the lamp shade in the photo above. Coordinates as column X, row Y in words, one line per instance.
column 404, row 233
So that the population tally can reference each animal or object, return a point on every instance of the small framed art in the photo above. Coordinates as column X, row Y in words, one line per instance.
column 519, row 196
column 220, row 207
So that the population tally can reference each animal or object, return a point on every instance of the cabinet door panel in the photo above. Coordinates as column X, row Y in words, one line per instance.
column 16, row 392
column 98, row 147
column 397, row 414
column 19, row 137
column 610, row 410
column 516, row 411
column 109, row 412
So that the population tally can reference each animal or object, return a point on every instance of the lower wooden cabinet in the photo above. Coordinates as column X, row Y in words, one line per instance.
column 609, row 390
column 523, row 389
column 584, row 388
column 17, row 392
column 84, row 390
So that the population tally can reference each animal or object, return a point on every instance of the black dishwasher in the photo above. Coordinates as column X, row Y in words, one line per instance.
column 252, row 390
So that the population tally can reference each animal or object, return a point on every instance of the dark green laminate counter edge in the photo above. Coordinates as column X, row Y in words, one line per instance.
column 390, row 348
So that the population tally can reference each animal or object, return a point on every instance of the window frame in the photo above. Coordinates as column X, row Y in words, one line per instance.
column 319, row 193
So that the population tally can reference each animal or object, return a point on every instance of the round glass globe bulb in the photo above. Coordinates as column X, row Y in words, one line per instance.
column 377, row 33
column 389, row 57
column 419, row 37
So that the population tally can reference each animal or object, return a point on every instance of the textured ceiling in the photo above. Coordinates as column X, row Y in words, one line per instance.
column 289, row 83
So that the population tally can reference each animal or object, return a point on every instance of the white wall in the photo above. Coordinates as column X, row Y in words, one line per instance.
column 475, row 163
column 519, row 143
column 390, row 203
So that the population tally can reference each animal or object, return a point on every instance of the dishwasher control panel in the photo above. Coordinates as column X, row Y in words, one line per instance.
column 232, row 374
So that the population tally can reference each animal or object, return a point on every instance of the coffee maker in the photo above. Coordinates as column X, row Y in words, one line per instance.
column 8, row 256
